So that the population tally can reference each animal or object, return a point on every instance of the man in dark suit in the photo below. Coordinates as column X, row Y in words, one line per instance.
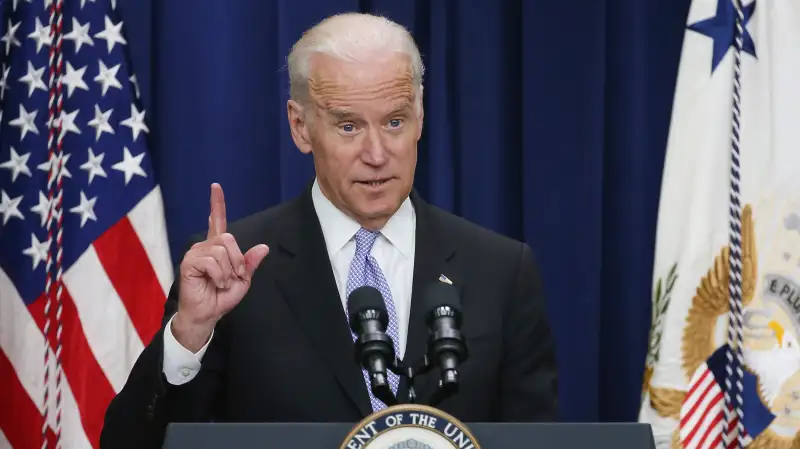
column 251, row 337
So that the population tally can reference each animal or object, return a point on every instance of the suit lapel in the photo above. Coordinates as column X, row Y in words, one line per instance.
column 432, row 254
column 307, row 282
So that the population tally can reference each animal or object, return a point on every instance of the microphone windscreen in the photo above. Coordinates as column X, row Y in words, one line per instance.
column 440, row 294
column 365, row 298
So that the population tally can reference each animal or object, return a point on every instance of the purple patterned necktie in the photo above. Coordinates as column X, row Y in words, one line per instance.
column 364, row 270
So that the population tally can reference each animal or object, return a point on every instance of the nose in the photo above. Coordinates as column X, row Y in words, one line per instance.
column 374, row 149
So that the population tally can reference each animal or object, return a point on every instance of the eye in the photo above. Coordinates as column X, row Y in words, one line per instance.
column 348, row 127
column 395, row 123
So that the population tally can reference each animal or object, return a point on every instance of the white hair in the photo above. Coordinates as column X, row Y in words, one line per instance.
column 351, row 37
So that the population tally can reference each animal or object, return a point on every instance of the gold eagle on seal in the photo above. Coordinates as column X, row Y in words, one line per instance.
column 709, row 303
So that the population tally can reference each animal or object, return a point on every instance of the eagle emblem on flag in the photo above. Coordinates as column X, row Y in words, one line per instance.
column 723, row 369
column 771, row 328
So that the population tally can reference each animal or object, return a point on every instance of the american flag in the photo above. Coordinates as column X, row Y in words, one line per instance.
column 84, row 262
column 702, row 412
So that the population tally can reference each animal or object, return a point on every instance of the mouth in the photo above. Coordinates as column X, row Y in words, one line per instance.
column 373, row 183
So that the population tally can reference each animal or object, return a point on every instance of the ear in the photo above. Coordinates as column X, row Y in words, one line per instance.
column 420, row 112
column 299, row 126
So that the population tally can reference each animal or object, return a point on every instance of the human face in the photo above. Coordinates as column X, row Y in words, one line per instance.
column 362, row 131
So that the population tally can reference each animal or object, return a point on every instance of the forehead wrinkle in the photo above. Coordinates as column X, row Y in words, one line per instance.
column 331, row 79
column 329, row 87
column 340, row 106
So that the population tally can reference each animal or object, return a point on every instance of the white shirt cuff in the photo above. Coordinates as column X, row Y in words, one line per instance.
column 180, row 364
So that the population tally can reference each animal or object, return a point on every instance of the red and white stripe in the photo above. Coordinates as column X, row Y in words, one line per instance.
column 702, row 413
column 112, row 299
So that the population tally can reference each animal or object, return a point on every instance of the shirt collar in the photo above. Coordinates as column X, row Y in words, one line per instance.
column 338, row 228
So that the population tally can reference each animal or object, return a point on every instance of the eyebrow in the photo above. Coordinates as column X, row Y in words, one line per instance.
column 343, row 114
column 401, row 107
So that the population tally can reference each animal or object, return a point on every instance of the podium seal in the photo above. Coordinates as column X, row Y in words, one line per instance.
column 410, row 426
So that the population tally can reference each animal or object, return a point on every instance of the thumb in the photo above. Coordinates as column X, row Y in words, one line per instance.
column 253, row 258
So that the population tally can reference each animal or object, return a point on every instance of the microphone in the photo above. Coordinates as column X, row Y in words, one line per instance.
column 374, row 350
column 446, row 345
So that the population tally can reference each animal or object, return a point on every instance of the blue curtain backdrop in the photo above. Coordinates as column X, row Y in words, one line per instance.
column 545, row 120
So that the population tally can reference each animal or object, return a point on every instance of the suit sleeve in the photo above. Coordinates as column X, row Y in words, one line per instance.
column 529, row 379
column 138, row 415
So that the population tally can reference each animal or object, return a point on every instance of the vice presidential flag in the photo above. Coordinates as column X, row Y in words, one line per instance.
column 724, row 361
column 84, row 266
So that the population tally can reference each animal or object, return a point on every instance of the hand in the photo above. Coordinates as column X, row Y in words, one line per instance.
column 214, row 277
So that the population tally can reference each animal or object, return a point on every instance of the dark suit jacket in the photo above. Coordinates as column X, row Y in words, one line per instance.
column 285, row 353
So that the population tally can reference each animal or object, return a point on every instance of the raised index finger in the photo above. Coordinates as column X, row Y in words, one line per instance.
column 217, row 222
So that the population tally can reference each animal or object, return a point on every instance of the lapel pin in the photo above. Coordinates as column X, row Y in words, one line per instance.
column 443, row 278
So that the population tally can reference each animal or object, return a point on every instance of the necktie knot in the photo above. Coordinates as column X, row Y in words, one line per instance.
column 364, row 241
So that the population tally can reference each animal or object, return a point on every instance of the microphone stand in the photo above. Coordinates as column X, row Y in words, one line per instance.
column 379, row 381
column 447, row 387
column 381, row 389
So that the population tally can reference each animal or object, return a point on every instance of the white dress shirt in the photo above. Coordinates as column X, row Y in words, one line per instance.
column 393, row 249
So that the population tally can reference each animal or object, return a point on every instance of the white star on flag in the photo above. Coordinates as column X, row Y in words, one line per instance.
column 94, row 165
column 112, row 34
column 37, row 251
column 100, row 122
column 135, row 83
column 61, row 166
column 17, row 164
column 9, row 38
column 43, row 208
column 26, row 122
column 79, row 35
column 9, row 207
column 68, row 123
column 85, row 209
column 73, row 79
column 135, row 122
column 41, row 35
column 4, row 82
column 108, row 77
column 130, row 165
column 34, row 79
